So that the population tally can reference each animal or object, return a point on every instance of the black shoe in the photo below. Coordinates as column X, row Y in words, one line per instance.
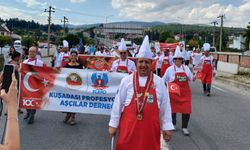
column 67, row 117
column 31, row 119
column 208, row 94
column 26, row 116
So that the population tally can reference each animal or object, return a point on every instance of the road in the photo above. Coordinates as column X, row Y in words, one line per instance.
column 218, row 122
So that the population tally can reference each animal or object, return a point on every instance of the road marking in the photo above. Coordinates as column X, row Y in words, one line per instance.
column 219, row 89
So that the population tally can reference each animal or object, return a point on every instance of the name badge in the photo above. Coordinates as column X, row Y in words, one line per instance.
column 150, row 99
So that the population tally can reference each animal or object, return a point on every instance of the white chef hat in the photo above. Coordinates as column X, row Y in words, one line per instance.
column 206, row 46
column 65, row 43
column 157, row 49
column 144, row 51
column 122, row 46
column 178, row 53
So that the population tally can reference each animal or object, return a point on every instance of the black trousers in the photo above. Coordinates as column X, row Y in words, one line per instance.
column 158, row 72
column 207, row 87
column 185, row 119
column 31, row 112
column 186, row 62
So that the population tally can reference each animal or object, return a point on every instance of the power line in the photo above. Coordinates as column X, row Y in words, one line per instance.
column 65, row 20
column 221, row 28
column 51, row 9
column 214, row 23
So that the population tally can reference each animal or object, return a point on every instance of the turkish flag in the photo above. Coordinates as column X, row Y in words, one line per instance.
column 199, row 75
column 174, row 88
column 34, row 84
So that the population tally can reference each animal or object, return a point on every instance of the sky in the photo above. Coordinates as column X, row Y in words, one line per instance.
column 237, row 12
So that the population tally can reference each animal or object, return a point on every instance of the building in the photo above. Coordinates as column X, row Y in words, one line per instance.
column 4, row 31
column 236, row 42
column 107, row 33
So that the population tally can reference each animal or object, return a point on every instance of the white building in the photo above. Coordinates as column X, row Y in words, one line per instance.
column 236, row 42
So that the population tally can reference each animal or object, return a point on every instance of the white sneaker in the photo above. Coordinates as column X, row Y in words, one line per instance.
column 174, row 128
column 185, row 131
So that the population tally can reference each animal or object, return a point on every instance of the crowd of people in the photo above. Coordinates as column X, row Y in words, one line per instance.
column 144, row 106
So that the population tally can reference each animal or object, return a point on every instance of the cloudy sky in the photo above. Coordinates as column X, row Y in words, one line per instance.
column 237, row 12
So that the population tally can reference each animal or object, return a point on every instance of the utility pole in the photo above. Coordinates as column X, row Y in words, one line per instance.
column 221, row 29
column 51, row 9
column 65, row 20
column 214, row 23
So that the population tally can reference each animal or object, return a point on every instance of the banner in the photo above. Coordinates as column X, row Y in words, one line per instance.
column 68, row 90
column 100, row 63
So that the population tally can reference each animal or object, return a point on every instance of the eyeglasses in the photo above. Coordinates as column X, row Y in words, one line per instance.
column 178, row 58
column 123, row 53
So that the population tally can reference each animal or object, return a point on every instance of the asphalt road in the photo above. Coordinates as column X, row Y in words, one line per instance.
column 219, row 122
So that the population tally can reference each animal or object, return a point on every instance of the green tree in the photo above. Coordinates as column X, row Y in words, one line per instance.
column 4, row 40
column 27, row 41
column 72, row 39
column 247, row 36
column 193, row 43
column 171, row 40
column 164, row 35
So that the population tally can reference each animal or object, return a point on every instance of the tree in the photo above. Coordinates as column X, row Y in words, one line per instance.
column 247, row 36
column 27, row 41
column 72, row 39
column 193, row 43
column 4, row 40
column 171, row 40
column 164, row 35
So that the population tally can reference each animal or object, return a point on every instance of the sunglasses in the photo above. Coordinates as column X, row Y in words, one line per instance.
column 123, row 53
column 178, row 58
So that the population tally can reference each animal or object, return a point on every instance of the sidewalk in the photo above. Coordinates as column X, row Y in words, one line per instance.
column 242, row 82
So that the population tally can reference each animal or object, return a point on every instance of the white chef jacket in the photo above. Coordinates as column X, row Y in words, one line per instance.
column 169, row 75
column 125, row 94
column 36, row 62
column 196, row 58
column 131, row 65
column 203, row 58
column 60, row 58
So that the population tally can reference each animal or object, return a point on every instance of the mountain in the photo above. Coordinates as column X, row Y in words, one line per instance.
column 143, row 24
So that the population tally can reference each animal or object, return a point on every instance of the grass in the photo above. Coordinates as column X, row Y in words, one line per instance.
column 245, row 74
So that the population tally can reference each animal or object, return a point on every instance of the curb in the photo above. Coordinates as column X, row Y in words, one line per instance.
column 237, row 84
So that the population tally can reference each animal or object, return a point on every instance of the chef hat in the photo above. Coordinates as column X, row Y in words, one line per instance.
column 157, row 49
column 144, row 51
column 178, row 53
column 206, row 46
column 122, row 46
column 65, row 43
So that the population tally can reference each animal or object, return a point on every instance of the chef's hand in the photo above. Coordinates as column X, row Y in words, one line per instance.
column 112, row 131
column 167, row 135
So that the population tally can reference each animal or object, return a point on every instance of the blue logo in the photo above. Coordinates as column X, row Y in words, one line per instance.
column 99, row 80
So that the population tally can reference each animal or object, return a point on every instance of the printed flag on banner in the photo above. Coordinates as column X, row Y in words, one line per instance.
column 69, row 90
column 174, row 88
column 35, row 83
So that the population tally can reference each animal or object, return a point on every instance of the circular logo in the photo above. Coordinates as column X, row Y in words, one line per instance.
column 74, row 80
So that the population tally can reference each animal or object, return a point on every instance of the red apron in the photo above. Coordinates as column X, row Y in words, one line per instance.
column 140, row 134
column 181, row 103
column 122, row 69
column 165, row 65
column 207, row 72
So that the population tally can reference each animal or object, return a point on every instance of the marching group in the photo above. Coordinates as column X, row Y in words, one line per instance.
column 144, row 107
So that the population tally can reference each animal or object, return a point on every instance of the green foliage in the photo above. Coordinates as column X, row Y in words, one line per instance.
column 193, row 43
column 27, row 41
column 164, row 35
column 72, row 39
column 171, row 40
column 4, row 40
column 247, row 36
